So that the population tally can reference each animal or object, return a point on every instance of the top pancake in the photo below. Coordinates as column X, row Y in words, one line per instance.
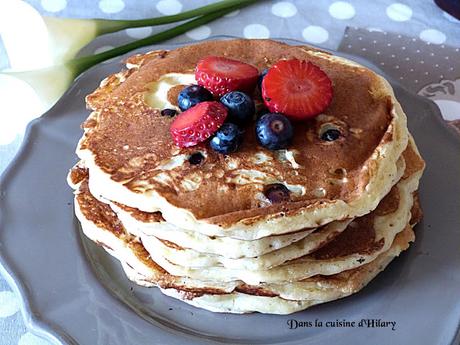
column 133, row 160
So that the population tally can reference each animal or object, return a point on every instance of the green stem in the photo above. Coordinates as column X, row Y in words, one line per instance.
column 85, row 62
column 107, row 26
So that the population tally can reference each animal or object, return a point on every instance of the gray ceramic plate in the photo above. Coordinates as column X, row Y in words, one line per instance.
column 74, row 293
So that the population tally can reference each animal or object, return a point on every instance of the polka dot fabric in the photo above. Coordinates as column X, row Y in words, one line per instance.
column 317, row 22
column 111, row 6
column 54, row 5
column 284, row 9
column 342, row 10
column 169, row 7
column 423, row 65
column 419, row 54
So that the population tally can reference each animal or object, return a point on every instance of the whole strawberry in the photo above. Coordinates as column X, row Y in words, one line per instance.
column 296, row 88
column 221, row 75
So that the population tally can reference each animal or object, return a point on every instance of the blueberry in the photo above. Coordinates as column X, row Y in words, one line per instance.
column 169, row 112
column 274, row 131
column 330, row 135
column 195, row 158
column 276, row 193
column 261, row 77
column 240, row 107
column 192, row 95
column 227, row 138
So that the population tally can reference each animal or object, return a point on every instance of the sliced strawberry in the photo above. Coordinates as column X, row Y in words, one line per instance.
column 197, row 123
column 297, row 89
column 221, row 75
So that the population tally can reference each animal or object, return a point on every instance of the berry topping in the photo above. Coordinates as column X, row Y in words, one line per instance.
column 168, row 112
column 330, row 135
column 240, row 107
column 221, row 75
column 274, row 131
column 195, row 158
column 191, row 96
column 197, row 123
column 227, row 138
column 277, row 193
column 261, row 77
column 296, row 88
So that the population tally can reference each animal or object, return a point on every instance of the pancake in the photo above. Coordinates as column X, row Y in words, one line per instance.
column 341, row 285
column 148, row 224
column 140, row 223
column 133, row 161
column 100, row 224
column 168, row 250
column 362, row 241
column 193, row 259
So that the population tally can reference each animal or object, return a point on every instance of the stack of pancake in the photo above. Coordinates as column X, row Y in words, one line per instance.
column 207, row 230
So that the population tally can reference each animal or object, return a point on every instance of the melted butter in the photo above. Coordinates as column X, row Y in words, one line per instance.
column 157, row 97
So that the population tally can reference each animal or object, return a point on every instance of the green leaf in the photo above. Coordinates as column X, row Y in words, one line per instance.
column 83, row 63
column 105, row 26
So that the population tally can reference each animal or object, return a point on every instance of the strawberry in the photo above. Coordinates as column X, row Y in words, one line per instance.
column 297, row 89
column 197, row 123
column 221, row 75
